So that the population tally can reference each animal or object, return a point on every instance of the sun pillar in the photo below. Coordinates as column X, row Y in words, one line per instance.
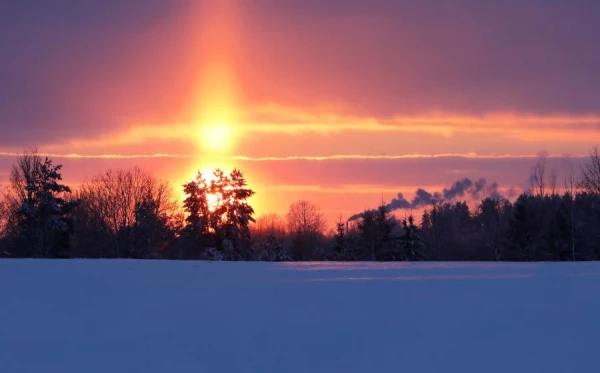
column 217, row 98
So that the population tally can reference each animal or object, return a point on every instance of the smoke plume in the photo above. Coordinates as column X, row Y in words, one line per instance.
column 461, row 189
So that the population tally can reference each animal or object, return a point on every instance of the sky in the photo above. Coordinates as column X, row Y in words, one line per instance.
column 343, row 103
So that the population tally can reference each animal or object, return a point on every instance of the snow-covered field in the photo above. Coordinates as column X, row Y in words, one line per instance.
column 87, row 316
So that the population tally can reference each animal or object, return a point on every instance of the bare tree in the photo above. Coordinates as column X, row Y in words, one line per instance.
column 553, row 181
column 269, row 224
column 306, row 218
column 121, row 203
column 590, row 174
column 306, row 223
column 269, row 236
column 3, row 212
column 27, row 166
column 538, row 181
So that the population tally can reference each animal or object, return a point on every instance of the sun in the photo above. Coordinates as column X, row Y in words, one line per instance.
column 216, row 137
column 214, row 200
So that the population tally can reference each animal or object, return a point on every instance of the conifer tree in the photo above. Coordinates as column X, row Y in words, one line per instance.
column 42, row 210
column 225, row 225
column 411, row 242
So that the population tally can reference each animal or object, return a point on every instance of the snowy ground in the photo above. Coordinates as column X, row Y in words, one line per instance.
column 155, row 316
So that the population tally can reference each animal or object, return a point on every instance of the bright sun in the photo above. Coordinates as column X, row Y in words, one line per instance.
column 216, row 137
column 213, row 199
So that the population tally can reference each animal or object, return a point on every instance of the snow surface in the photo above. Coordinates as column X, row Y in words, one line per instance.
column 75, row 316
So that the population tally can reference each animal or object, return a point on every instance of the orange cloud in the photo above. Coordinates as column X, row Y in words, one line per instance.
column 272, row 119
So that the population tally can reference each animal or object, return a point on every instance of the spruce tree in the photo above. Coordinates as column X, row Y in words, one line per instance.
column 224, row 226
column 43, row 217
column 411, row 242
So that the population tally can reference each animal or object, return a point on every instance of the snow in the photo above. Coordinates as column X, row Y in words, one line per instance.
column 73, row 316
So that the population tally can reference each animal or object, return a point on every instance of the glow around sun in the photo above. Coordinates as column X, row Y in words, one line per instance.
column 214, row 200
column 217, row 111
column 214, row 110
column 216, row 102
column 216, row 137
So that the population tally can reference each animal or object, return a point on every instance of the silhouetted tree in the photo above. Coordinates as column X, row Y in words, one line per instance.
column 269, row 238
column 375, row 229
column 590, row 174
column 272, row 250
column 199, row 224
column 269, row 224
column 234, row 213
column 553, row 182
column 125, row 213
column 430, row 233
column 225, row 226
column 494, row 218
column 39, row 216
column 411, row 241
column 528, row 228
column 447, row 231
column 587, row 226
column 569, row 197
column 4, row 214
column 538, row 177
column 340, row 245
column 305, row 224
column 131, row 214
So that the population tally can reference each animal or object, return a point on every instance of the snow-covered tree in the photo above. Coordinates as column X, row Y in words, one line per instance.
column 198, row 220
column 268, row 237
column 218, row 213
column 272, row 250
column 40, row 207
column 234, row 211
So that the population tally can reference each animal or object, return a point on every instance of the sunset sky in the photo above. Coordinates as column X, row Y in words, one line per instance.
column 341, row 102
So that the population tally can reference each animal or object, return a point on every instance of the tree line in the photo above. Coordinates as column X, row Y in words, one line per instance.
column 129, row 213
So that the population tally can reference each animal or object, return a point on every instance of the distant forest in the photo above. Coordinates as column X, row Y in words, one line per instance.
column 129, row 213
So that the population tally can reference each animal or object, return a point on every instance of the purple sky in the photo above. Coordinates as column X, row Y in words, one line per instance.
column 311, row 78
